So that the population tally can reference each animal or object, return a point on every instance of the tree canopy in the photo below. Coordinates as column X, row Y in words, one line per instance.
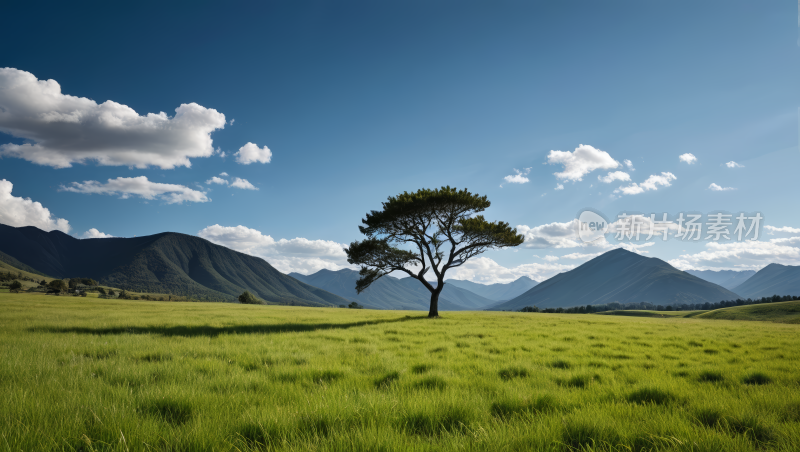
column 426, row 230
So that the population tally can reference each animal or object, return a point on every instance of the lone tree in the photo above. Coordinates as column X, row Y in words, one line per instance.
column 438, row 230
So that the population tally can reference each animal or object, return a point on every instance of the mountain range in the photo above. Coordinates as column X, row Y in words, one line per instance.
column 725, row 278
column 169, row 263
column 620, row 276
column 389, row 292
column 774, row 279
column 498, row 291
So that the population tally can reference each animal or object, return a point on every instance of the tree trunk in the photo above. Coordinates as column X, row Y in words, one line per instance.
column 434, row 311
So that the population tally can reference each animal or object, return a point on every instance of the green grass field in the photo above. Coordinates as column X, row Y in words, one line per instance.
column 94, row 374
column 784, row 312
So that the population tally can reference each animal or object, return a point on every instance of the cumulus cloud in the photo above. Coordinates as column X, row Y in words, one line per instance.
column 715, row 187
column 296, row 255
column 518, row 178
column 744, row 255
column 733, row 164
column 223, row 174
column 557, row 235
column 95, row 234
column 629, row 164
column 15, row 211
column 250, row 153
column 217, row 180
column 582, row 161
column 687, row 158
column 243, row 184
column 484, row 270
column 559, row 187
column 126, row 187
column 63, row 129
column 652, row 183
column 615, row 175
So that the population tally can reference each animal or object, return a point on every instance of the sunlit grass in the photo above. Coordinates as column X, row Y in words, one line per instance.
column 93, row 374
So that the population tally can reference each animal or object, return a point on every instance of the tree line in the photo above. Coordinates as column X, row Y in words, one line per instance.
column 644, row 306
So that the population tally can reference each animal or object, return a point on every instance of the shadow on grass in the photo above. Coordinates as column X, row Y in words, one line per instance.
column 213, row 331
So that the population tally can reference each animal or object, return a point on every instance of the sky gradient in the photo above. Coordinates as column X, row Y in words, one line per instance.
column 317, row 111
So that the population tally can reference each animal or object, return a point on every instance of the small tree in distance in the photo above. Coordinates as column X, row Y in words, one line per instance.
column 440, row 228
column 248, row 298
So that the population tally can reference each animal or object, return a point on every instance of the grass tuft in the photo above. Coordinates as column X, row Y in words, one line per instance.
column 650, row 395
column 756, row 378
column 560, row 364
column 387, row 380
column 513, row 372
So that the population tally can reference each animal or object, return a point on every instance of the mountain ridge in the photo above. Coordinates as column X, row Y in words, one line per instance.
column 497, row 291
column 620, row 276
column 774, row 279
column 168, row 262
column 389, row 292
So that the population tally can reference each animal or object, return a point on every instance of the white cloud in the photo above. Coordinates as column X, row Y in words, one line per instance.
column 772, row 230
column 19, row 212
column 629, row 164
column 223, row 174
column 243, row 184
column 557, row 235
column 744, row 255
column 232, row 120
column 550, row 258
column 559, row 187
column 484, row 270
column 652, row 183
column 581, row 256
column 138, row 186
column 687, row 158
column 733, row 164
column 250, row 153
column 518, row 178
column 715, row 187
column 296, row 255
column 216, row 180
column 582, row 161
column 616, row 175
column 95, row 234
column 64, row 129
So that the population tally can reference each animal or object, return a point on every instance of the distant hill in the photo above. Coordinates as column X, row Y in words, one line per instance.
column 782, row 312
column 496, row 292
column 392, row 293
column 774, row 279
column 725, row 278
column 169, row 262
column 620, row 276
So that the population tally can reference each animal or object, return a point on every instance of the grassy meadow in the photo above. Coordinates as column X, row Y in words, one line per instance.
column 96, row 374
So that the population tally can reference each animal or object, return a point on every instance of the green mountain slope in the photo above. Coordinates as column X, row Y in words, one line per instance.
column 781, row 312
column 774, row 279
column 172, row 263
column 392, row 293
column 725, row 278
column 620, row 276
column 496, row 292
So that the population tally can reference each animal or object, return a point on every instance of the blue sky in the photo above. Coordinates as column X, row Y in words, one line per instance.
column 357, row 101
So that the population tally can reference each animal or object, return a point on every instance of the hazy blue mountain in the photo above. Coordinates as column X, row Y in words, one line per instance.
column 393, row 293
column 725, row 278
column 774, row 279
column 620, row 276
column 163, row 263
column 496, row 292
